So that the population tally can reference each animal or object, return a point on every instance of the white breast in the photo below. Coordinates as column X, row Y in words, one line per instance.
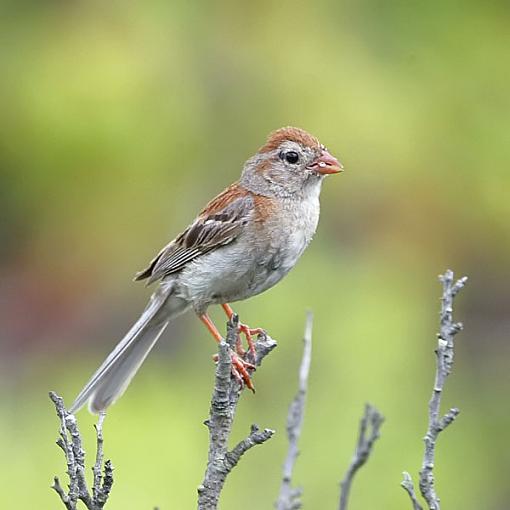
column 301, row 221
column 257, row 260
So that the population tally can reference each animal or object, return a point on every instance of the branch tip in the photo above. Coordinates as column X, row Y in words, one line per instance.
column 70, row 442
column 369, row 432
column 436, row 423
column 408, row 485
column 289, row 497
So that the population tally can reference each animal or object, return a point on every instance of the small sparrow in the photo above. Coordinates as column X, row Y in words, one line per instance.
column 242, row 243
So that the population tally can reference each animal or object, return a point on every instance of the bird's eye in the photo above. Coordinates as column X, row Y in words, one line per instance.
column 292, row 157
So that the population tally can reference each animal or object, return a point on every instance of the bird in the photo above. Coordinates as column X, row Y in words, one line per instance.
column 242, row 243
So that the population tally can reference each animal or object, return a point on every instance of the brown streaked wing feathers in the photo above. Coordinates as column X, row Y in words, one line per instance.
column 219, row 224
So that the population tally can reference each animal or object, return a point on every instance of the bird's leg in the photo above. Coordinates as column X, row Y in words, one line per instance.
column 239, row 345
column 209, row 324
column 243, row 328
column 239, row 366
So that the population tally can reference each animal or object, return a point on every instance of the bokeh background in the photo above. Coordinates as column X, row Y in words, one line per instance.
column 119, row 120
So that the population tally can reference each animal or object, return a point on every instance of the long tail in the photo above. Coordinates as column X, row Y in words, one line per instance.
column 113, row 377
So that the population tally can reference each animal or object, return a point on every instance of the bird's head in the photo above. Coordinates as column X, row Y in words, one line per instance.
column 289, row 162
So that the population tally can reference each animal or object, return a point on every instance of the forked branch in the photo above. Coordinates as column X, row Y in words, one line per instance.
column 369, row 432
column 290, row 497
column 71, row 444
column 224, row 402
column 437, row 423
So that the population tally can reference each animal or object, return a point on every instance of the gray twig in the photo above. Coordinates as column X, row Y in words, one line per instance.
column 290, row 497
column 372, row 419
column 407, row 484
column 71, row 443
column 224, row 402
column 444, row 362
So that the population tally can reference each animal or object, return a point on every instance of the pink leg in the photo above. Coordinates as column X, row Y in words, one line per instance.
column 239, row 366
column 243, row 328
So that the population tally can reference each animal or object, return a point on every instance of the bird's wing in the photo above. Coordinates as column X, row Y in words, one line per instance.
column 218, row 224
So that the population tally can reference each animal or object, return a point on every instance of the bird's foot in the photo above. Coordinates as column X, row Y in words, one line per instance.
column 240, row 369
column 248, row 333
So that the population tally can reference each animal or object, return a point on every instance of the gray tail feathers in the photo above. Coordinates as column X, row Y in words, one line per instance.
column 113, row 377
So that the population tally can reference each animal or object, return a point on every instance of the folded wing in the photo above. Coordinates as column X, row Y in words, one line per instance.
column 219, row 224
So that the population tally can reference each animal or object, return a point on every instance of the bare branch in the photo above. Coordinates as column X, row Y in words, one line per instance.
column 408, row 485
column 63, row 496
column 255, row 437
column 372, row 419
column 444, row 363
column 224, row 402
column 71, row 443
column 290, row 497
column 99, row 455
column 103, row 482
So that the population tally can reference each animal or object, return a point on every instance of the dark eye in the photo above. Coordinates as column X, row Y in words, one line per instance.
column 292, row 157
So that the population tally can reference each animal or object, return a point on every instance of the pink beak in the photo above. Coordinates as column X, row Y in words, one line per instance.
column 327, row 164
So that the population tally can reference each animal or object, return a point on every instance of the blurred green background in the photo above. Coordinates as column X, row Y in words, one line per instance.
column 120, row 120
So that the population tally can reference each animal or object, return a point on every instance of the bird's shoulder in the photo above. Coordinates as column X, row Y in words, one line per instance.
column 233, row 194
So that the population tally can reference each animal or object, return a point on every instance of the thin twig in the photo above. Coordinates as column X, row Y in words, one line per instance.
column 407, row 484
column 290, row 497
column 256, row 437
column 96, row 488
column 436, row 424
column 372, row 419
column 71, row 443
column 63, row 496
column 224, row 402
column 103, row 481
